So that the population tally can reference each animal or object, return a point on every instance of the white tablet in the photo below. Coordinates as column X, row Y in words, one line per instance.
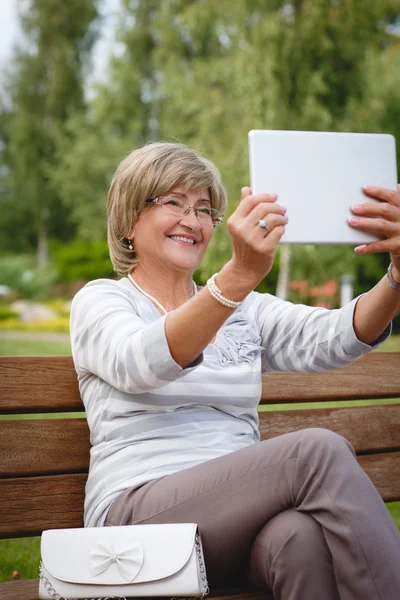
column 318, row 176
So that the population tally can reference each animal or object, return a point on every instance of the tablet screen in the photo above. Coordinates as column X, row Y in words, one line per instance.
column 318, row 176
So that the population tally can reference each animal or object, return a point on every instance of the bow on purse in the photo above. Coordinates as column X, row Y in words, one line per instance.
column 128, row 561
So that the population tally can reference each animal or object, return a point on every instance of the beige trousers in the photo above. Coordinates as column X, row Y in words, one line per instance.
column 296, row 514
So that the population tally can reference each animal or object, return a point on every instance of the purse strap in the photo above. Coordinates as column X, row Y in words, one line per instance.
column 56, row 596
column 202, row 570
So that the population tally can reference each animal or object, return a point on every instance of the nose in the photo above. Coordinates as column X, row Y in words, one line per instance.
column 191, row 220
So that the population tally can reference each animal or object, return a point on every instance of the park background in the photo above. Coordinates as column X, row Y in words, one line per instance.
column 203, row 72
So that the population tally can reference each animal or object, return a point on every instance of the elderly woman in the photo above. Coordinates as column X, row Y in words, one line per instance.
column 170, row 375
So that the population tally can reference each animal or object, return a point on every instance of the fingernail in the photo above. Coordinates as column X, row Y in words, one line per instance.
column 360, row 248
column 356, row 207
column 274, row 196
column 353, row 220
column 367, row 188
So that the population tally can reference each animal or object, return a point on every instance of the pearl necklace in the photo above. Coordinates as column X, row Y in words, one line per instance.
column 156, row 302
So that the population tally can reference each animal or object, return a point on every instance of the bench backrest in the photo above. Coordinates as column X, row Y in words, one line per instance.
column 44, row 462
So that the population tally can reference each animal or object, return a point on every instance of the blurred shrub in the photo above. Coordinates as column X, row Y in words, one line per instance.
column 7, row 313
column 81, row 259
column 59, row 325
column 60, row 306
column 21, row 274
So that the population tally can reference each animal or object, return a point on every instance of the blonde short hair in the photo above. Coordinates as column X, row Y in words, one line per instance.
column 151, row 171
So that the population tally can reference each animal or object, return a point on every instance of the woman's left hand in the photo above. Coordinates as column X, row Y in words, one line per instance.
column 381, row 218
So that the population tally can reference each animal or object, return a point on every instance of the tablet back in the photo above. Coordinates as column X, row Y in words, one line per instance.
column 318, row 176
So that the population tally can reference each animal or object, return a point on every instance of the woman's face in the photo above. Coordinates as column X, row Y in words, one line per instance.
column 155, row 234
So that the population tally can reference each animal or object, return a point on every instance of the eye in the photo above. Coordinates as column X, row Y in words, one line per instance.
column 204, row 210
column 172, row 202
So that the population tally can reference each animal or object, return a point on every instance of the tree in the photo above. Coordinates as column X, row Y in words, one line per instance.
column 45, row 89
column 207, row 72
column 226, row 68
column 121, row 117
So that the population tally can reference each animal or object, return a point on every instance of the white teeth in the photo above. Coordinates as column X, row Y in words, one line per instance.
column 181, row 239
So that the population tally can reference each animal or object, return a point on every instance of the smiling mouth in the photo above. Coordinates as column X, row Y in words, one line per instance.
column 182, row 239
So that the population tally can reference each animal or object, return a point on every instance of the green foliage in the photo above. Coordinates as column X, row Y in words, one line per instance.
column 202, row 72
column 44, row 88
column 82, row 259
column 87, row 155
column 24, row 277
column 6, row 313
column 317, row 263
column 369, row 271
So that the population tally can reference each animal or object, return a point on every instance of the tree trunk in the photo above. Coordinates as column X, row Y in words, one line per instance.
column 282, row 288
column 42, row 253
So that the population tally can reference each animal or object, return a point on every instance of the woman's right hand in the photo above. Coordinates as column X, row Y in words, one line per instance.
column 192, row 326
column 254, row 246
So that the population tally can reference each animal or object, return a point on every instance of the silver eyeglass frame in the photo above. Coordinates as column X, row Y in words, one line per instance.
column 195, row 209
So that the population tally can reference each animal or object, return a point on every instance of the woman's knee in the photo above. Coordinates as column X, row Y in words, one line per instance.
column 316, row 439
column 291, row 540
column 291, row 535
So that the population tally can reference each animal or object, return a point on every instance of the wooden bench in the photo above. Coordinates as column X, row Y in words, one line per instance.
column 44, row 463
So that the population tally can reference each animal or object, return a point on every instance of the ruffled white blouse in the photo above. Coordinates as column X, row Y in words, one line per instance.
column 148, row 417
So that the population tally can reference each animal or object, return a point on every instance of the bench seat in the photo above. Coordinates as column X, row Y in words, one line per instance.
column 44, row 462
column 28, row 590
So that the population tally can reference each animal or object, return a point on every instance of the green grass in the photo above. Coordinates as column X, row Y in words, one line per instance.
column 23, row 555
column 20, row 555
column 29, row 347
column 391, row 345
column 394, row 509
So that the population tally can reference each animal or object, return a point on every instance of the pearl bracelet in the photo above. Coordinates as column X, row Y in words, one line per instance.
column 217, row 294
column 393, row 284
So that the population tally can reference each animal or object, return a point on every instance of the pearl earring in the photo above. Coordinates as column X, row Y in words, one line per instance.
column 130, row 244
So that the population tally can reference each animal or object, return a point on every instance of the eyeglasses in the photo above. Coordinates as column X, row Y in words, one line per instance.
column 176, row 206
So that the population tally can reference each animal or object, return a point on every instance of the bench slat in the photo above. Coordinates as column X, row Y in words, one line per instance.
column 376, row 375
column 384, row 471
column 38, row 384
column 369, row 428
column 28, row 590
column 28, row 383
column 58, row 446
column 47, row 446
column 31, row 504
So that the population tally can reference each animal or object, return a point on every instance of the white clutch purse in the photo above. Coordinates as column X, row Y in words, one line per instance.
column 122, row 562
